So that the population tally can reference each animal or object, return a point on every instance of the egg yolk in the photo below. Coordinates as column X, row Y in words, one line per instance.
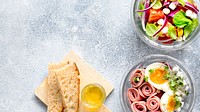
column 157, row 76
column 171, row 104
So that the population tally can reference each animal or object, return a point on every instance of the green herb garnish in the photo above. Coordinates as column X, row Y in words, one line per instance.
column 187, row 93
column 166, row 67
column 146, row 78
column 151, row 70
column 167, row 76
column 178, row 102
column 136, row 79
column 175, row 83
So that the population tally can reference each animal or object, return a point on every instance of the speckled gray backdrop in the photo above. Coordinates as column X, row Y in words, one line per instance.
column 36, row 32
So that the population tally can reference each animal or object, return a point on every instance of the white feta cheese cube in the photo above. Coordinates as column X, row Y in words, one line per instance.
column 179, row 109
column 189, row 13
column 170, row 92
column 184, row 82
column 172, row 6
column 182, row 93
column 160, row 21
column 166, row 11
column 187, row 87
column 180, row 98
column 184, row 38
column 180, row 74
column 165, row 30
column 179, row 39
column 175, row 69
column 182, row 104
column 194, row 15
column 177, row 93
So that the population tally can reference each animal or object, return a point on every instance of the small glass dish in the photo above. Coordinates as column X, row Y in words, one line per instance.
column 93, row 96
column 156, row 44
column 125, row 84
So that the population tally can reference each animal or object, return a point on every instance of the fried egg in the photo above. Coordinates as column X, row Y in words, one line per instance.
column 155, row 73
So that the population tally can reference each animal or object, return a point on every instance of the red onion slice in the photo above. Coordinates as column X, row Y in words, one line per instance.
column 145, row 15
column 189, row 5
column 146, row 90
column 166, row 40
column 139, row 106
column 166, row 3
column 176, row 3
column 143, row 20
column 153, row 103
column 138, row 73
column 173, row 13
column 165, row 22
column 147, row 8
column 146, row 12
column 167, row 64
column 133, row 95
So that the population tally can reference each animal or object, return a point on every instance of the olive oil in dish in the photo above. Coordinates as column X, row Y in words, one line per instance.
column 93, row 96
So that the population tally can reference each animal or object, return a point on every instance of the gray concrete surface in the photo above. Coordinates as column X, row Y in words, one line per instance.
column 36, row 32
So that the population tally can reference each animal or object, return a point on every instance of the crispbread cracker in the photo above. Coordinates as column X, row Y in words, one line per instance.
column 68, row 82
column 53, row 66
column 66, row 74
column 53, row 92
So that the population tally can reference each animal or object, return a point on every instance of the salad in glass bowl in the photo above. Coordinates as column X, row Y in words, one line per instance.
column 166, row 22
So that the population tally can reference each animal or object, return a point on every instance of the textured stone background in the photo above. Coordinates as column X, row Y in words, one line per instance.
column 36, row 32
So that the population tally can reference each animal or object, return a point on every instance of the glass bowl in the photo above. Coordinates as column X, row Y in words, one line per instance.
column 125, row 84
column 155, row 44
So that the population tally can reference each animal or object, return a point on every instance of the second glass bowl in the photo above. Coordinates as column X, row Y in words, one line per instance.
column 144, row 37
column 125, row 84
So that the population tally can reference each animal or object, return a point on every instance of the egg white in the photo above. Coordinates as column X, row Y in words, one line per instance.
column 163, row 102
column 165, row 86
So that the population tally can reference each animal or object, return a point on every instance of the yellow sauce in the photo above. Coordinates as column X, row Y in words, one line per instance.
column 93, row 96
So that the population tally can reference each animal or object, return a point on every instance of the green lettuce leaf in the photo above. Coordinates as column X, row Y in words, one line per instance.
column 191, row 27
column 182, row 2
column 157, row 5
column 141, row 7
column 180, row 19
column 151, row 29
column 172, row 32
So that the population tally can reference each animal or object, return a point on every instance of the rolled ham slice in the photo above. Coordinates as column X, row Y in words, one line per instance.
column 153, row 103
column 139, row 106
column 133, row 95
column 146, row 90
column 138, row 73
